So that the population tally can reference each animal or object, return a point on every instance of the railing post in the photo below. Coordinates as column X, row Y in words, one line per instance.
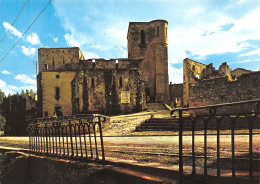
column 180, row 147
column 71, row 140
column 58, row 126
column 95, row 138
column 80, row 124
column 193, row 147
column 46, row 135
column 218, row 149
column 101, row 139
column 84, row 132
column 233, row 120
column 205, row 149
column 90, row 142
column 76, row 141
column 250, row 127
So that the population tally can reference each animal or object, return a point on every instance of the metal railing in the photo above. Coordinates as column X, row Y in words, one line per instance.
column 249, row 116
column 76, row 138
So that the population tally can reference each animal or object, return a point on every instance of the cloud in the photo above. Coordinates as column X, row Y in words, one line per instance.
column 33, row 39
column 7, row 89
column 253, row 52
column 124, row 52
column 226, row 35
column 25, row 79
column 71, row 40
column 13, row 30
column 176, row 75
column 244, row 61
column 5, row 72
column 10, row 89
column 90, row 55
column 55, row 39
column 117, row 36
column 28, row 51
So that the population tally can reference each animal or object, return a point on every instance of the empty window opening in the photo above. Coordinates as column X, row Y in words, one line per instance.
column 93, row 63
column 92, row 83
column 120, row 82
column 142, row 37
column 116, row 60
column 157, row 30
column 57, row 93
column 53, row 64
column 46, row 66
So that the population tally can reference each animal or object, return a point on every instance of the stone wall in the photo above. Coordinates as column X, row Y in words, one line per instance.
column 55, row 92
column 53, row 58
column 148, row 41
column 31, row 169
column 221, row 90
column 176, row 94
column 103, row 91
column 93, row 86
column 192, row 71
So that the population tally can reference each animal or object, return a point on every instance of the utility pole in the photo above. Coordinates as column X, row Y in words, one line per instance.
column 35, row 63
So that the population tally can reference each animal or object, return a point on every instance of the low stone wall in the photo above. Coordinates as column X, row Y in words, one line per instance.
column 19, row 167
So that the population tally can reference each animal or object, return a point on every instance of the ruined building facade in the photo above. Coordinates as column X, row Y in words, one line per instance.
column 73, row 85
column 68, row 83
column 204, row 85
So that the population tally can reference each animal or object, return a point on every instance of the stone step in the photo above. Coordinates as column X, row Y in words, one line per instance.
column 156, row 106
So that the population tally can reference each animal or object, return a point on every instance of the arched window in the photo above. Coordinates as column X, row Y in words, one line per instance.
column 142, row 37
column 57, row 93
column 157, row 30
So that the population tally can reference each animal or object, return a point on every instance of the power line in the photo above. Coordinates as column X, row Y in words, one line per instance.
column 14, row 21
column 25, row 31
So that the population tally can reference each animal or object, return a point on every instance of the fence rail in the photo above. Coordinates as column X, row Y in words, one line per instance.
column 249, row 116
column 75, row 137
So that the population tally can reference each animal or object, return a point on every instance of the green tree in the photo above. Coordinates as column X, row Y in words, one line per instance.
column 32, row 93
column 2, row 118
column 22, row 93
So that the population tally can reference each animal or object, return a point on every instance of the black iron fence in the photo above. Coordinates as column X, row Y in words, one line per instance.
column 78, row 137
column 213, row 120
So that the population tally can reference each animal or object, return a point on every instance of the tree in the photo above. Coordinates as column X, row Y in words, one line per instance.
column 22, row 93
column 2, row 118
column 32, row 93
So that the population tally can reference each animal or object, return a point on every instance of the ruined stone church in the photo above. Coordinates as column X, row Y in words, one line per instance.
column 70, row 84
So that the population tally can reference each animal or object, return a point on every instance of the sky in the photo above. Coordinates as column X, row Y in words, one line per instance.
column 207, row 31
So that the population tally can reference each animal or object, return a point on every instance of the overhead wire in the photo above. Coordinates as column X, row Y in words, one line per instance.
column 14, row 21
column 25, row 31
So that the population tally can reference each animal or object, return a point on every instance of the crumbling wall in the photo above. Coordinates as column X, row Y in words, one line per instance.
column 192, row 72
column 176, row 94
column 221, row 90
column 195, row 73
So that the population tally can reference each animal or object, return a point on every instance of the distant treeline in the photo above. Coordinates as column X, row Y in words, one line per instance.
column 16, row 111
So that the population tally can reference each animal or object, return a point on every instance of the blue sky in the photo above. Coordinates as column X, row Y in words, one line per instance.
column 207, row 31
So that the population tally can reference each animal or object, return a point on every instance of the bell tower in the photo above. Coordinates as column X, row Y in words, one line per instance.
column 149, row 41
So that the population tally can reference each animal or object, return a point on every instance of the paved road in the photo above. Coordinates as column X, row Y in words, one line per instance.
column 164, row 149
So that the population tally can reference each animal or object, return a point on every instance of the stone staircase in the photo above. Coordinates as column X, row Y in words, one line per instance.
column 156, row 106
column 165, row 124
column 159, row 124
